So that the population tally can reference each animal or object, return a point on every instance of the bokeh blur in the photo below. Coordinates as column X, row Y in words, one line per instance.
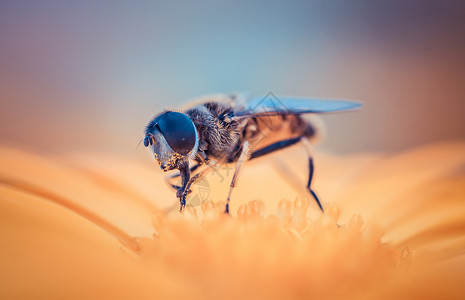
column 88, row 75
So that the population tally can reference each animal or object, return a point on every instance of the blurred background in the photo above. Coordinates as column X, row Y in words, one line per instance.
column 88, row 75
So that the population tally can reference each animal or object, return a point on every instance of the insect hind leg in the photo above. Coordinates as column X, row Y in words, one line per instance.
column 311, row 169
column 287, row 143
column 275, row 147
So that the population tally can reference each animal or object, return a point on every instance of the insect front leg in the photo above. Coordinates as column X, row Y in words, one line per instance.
column 169, row 178
column 182, row 192
column 185, row 189
column 242, row 158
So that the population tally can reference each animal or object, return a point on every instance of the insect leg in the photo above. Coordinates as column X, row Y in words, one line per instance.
column 311, row 168
column 182, row 193
column 185, row 173
column 169, row 178
column 242, row 158
column 287, row 143
column 275, row 147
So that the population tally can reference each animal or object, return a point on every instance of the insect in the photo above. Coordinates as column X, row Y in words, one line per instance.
column 232, row 129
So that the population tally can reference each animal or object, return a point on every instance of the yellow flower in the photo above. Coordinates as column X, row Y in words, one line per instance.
column 98, row 226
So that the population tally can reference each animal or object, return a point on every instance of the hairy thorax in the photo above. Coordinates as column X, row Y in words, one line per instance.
column 220, row 137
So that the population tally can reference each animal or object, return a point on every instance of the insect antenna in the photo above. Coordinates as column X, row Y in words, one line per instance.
column 138, row 144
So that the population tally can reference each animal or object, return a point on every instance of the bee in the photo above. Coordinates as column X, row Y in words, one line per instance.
column 232, row 129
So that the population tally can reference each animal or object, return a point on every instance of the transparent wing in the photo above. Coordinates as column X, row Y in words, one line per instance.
column 271, row 105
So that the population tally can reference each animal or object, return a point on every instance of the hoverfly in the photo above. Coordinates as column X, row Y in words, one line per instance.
column 232, row 129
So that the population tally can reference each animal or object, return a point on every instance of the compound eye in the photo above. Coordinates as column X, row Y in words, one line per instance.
column 179, row 131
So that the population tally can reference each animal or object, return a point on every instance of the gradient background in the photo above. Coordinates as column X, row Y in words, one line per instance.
column 81, row 75
column 86, row 76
